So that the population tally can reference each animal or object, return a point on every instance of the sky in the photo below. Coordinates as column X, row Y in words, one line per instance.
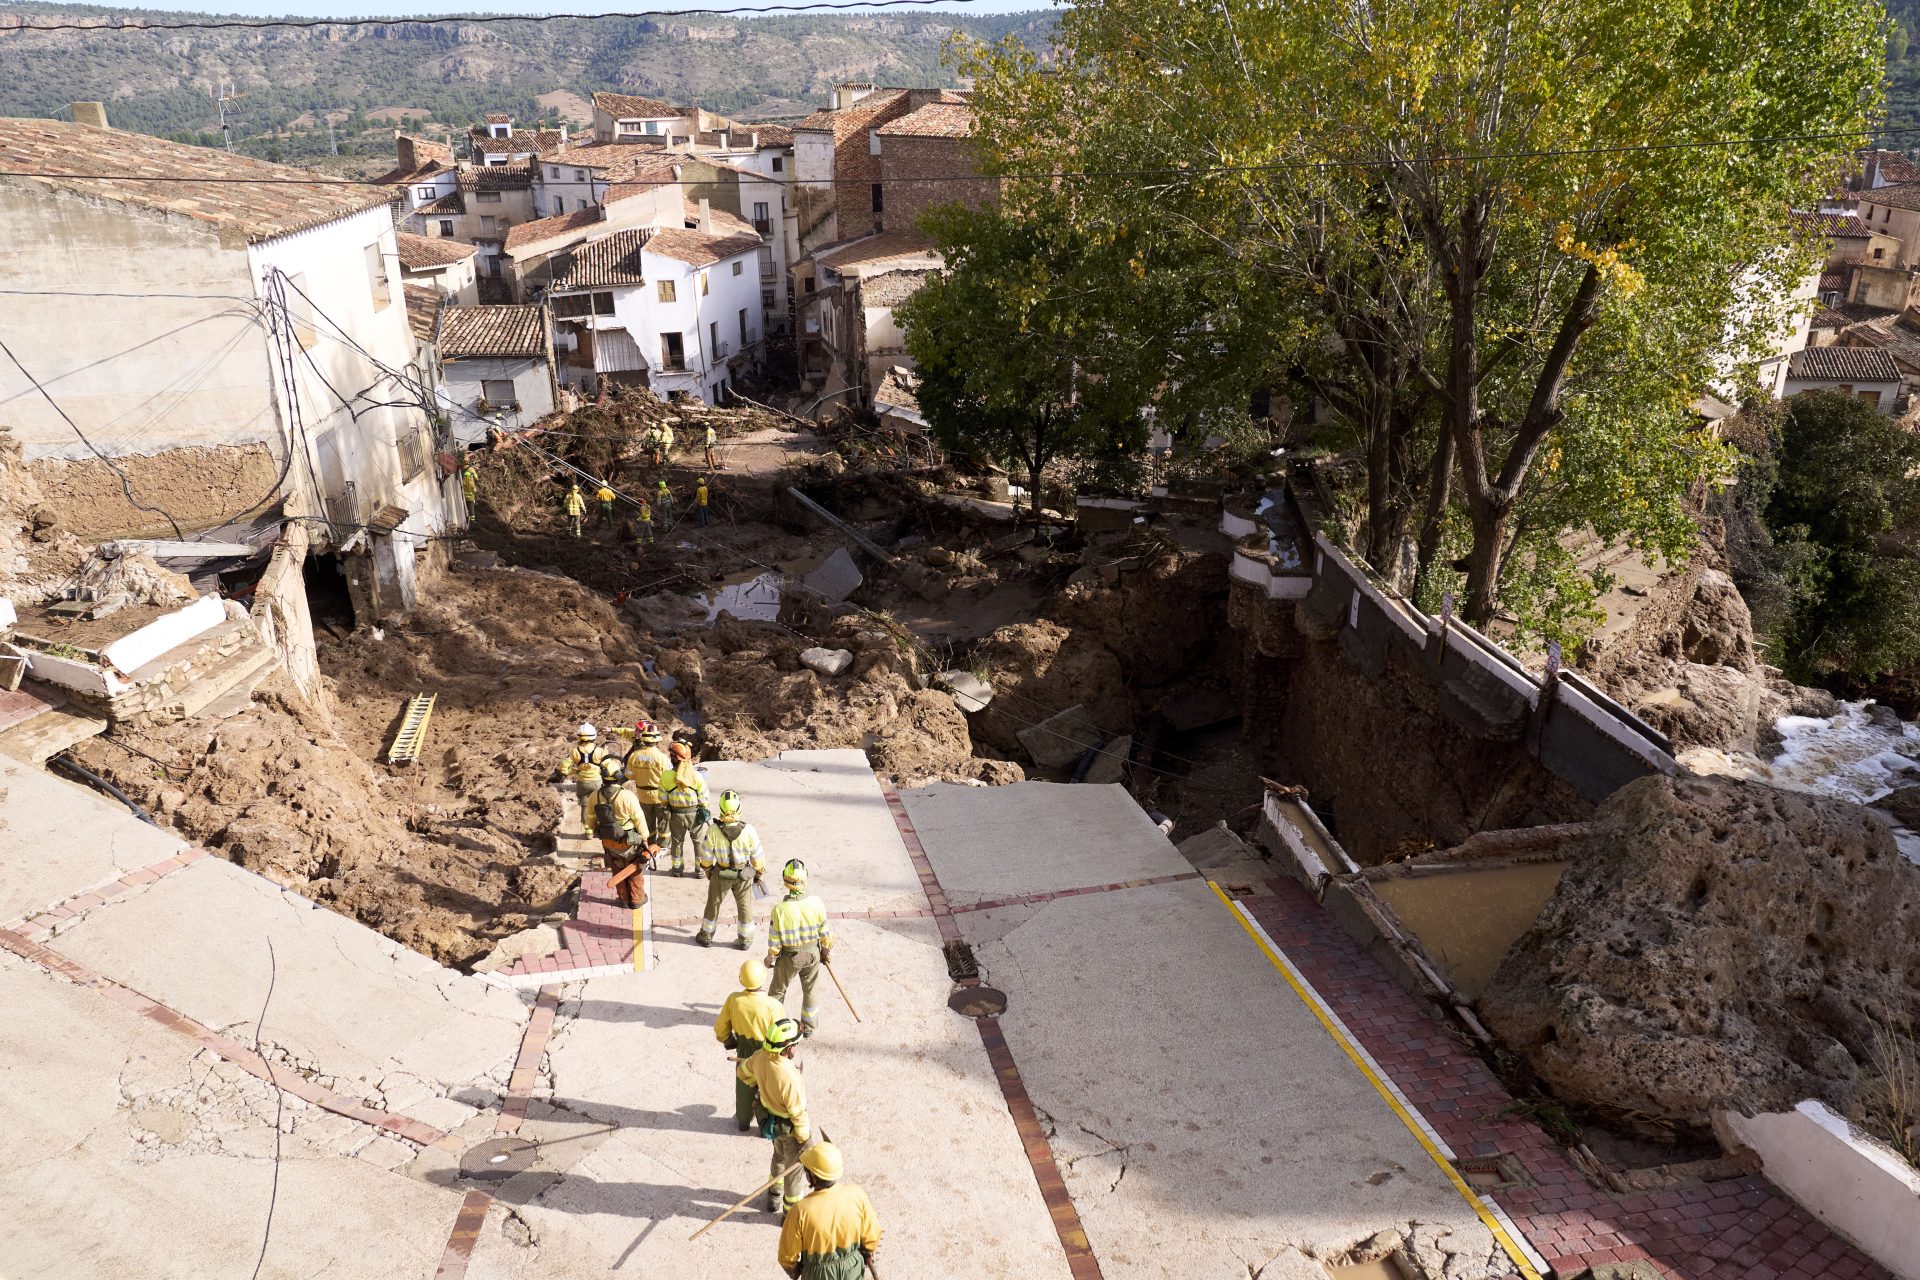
column 361, row 9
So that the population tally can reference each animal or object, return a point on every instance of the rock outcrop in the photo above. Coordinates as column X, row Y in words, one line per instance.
column 1716, row 944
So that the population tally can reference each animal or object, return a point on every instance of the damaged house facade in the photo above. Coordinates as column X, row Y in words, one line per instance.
column 232, row 357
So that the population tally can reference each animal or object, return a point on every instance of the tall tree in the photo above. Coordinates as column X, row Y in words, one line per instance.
column 1513, row 229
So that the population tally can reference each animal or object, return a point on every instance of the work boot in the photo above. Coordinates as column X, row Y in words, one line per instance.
column 704, row 939
column 741, row 944
column 776, row 1201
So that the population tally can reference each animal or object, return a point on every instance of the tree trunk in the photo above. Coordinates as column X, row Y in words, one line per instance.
column 1439, row 495
column 1484, row 561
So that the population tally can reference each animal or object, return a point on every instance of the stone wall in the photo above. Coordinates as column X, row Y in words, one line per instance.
column 919, row 173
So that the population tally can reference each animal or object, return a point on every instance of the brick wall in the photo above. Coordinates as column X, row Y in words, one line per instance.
column 935, row 171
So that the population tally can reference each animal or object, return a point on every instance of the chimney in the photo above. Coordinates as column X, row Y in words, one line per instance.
column 563, row 132
column 706, row 216
column 404, row 152
column 91, row 114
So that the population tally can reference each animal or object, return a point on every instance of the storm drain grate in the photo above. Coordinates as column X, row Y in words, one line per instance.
column 960, row 962
column 1496, row 1172
column 976, row 1001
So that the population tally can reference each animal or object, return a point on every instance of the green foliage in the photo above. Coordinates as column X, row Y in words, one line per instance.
column 1564, row 294
column 1021, row 355
column 1843, row 513
column 159, row 85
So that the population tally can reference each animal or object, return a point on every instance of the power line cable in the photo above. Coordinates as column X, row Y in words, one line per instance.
column 279, row 1109
column 484, row 19
column 126, row 485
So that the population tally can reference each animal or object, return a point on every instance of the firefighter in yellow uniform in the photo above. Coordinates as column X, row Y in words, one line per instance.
column 622, row 827
column 742, row 1027
column 783, row 1106
column 583, row 766
column 729, row 856
column 575, row 506
column 799, row 941
column 647, row 768
column 684, row 792
column 833, row 1234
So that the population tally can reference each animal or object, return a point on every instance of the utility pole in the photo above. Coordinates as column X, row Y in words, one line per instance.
column 222, row 95
column 333, row 144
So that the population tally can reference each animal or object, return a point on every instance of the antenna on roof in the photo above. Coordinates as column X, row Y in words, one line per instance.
column 221, row 96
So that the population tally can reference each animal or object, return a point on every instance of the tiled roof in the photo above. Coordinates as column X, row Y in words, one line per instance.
column 628, row 106
column 725, row 221
column 545, row 228
column 402, row 177
column 771, row 135
column 1904, row 195
column 1891, row 334
column 892, row 288
column 423, row 310
column 501, row 332
column 1835, row 226
column 844, row 124
column 496, row 177
column 424, row 253
column 935, row 120
column 499, row 117
column 697, row 250
column 1842, row 364
column 260, row 199
column 452, row 202
column 898, row 390
column 612, row 263
column 870, row 249
column 1861, row 313
column 1893, row 166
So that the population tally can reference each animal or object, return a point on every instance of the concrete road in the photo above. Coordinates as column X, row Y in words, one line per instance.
column 1201, row 1121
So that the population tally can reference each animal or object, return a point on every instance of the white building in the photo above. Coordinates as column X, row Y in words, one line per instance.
column 676, row 309
column 496, row 367
column 201, row 355
column 445, row 266
column 1864, row 372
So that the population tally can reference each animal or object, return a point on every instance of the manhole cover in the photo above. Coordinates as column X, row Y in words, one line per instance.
column 978, row 1002
column 497, row 1159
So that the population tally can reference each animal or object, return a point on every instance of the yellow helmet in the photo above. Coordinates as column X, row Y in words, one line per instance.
column 822, row 1160
column 783, row 1034
column 794, row 874
column 753, row 975
column 729, row 804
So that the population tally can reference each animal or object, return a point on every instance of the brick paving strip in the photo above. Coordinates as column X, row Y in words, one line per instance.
column 1740, row 1229
column 40, row 926
column 472, row 1217
column 231, row 1050
column 1081, row 1263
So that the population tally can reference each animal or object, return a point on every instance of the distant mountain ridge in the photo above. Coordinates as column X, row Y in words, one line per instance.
column 290, row 81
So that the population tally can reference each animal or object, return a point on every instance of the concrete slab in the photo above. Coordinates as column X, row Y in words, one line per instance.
column 385, row 1022
column 908, row 1094
column 1060, row 740
column 58, row 839
column 1204, row 1122
column 1036, row 837
column 836, row 577
column 126, row 1151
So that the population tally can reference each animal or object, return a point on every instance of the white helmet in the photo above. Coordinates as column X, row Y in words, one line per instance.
column 586, row 731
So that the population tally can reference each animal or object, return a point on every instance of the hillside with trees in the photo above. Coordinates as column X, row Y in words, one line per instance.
column 290, row 82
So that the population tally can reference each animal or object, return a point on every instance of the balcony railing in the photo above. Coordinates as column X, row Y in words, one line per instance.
column 763, row 225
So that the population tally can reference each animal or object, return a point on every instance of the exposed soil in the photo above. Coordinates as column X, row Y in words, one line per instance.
column 200, row 486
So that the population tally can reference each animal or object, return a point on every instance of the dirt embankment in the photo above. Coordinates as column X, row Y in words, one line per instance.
column 1716, row 944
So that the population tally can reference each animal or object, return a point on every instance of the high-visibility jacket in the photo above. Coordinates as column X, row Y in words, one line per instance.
column 647, row 766
column 783, row 1091
column 666, row 436
column 626, row 818
column 583, row 764
column 799, row 920
column 744, row 1019
column 685, row 790
column 646, row 513
column 829, row 1234
column 576, row 505
column 603, row 494
column 700, row 496
column 730, row 847
column 712, row 437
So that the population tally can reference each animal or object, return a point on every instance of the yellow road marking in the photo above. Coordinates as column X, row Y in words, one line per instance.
column 1311, row 999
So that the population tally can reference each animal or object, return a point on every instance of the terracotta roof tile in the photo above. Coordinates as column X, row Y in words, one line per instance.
column 725, row 221
column 545, row 228
column 503, row 332
column 1842, row 364
column 1837, row 226
column 1904, row 195
column 452, row 202
column 629, row 106
column 423, row 310
column 876, row 248
column 771, row 135
column 423, row 253
column 844, row 124
column 935, row 120
column 611, row 263
column 697, row 250
column 260, row 199
column 497, row 177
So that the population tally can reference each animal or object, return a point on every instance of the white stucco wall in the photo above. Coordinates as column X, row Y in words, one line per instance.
column 690, row 314
column 819, row 223
column 358, row 446
column 1886, row 392
column 463, row 381
column 1859, row 1188
column 142, row 325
